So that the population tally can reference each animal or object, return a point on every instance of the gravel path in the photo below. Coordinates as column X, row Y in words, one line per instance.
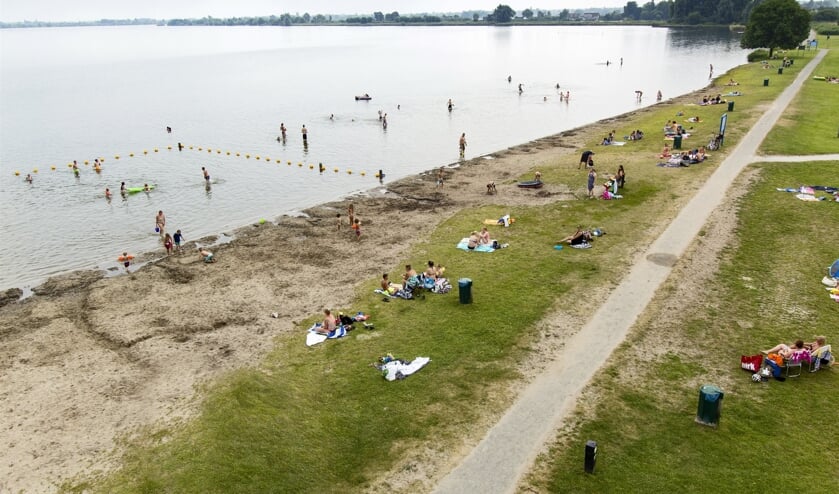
column 508, row 450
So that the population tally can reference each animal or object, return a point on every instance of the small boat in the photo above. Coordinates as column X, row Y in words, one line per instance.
column 531, row 184
column 363, row 97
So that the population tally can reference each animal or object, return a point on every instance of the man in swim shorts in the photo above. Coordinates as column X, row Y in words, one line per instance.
column 160, row 221
column 206, row 174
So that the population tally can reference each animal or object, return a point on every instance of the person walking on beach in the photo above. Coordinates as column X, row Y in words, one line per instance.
column 206, row 174
column 441, row 174
column 463, row 144
column 305, row 133
column 178, row 238
column 357, row 227
column 351, row 213
column 592, row 176
column 160, row 222
column 168, row 244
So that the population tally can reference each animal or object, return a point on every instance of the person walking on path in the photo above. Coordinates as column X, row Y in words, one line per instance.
column 505, row 454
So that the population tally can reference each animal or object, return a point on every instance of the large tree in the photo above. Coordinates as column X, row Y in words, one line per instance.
column 503, row 13
column 776, row 24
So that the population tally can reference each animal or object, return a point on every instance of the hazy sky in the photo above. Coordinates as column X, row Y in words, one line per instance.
column 86, row 10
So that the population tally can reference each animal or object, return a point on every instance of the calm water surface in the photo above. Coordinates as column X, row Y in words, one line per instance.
column 81, row 93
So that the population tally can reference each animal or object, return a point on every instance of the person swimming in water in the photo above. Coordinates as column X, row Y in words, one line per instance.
column 28, row 178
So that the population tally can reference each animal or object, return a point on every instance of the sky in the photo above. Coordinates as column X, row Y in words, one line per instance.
column 89, row 10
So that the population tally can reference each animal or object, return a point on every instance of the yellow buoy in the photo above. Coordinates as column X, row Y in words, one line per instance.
column 218, row 151
column 169, row 148
column 311, row 167
column 257, row 157
column 267, row 159
column 190, row 147
column 69, row 165
column 237, row 154
column 289, row 163
column 209, row 150
column 228, row 153
column 17, row 174
column 300, row 165
column 247, row 156
column 279, row 161
column 86, row 162
column 131, row 155
column 155, row 150
column 349, row 172
column 116, row 157
column 145, row 151
column 34, row 170
column 52, row 168
column 336, row 170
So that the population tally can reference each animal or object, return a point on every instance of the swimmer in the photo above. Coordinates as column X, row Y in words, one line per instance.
column 107, row 193
column 146, row 188
column 331, row 116
column 450, row 104
column 28, row 178
column 206, row 174
column 282, row 130
column 305, row 133
column 122, row 188
column 521, row 89
column 509, row 78
column 75, row 168
column 168, row 129
column 160, row 221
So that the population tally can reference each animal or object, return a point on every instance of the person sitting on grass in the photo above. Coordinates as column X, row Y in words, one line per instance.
column 473, row 241
column 388, row 287
column 579, row 237
column 328, row 324
column 433, row 271
column 483, row 237
column 665, row 153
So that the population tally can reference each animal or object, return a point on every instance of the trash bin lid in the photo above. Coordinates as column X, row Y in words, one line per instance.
column 711, row 392
column 464, row 281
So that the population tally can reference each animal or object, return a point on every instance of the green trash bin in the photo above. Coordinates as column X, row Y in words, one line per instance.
column 730, row 106
column 766, row 82
column 677, row 141
column 780, row 70
column 464, row 286
column 710, row 403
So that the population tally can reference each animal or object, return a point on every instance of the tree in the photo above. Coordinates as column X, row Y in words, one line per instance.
column 527, row 13
column 378, row 16
column 475, row 17
column 632, row 11
column 564, row 15
column 503, row 13
column 776, row 24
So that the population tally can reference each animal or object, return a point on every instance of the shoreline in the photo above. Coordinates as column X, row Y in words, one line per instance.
column 116, row 355
column 106, row 269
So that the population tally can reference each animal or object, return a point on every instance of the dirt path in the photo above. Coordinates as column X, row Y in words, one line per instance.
column 508, row 450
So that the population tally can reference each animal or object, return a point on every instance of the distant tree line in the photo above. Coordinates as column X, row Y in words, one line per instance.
column 101, row 22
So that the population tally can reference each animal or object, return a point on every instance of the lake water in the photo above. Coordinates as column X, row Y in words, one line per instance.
column 100, row 92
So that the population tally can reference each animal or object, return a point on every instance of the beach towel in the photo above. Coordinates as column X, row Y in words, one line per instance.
column 399, row 369
column 504, row 220
column 313, row 337
column 464, row 245
column 584, row 245
column 807, row 197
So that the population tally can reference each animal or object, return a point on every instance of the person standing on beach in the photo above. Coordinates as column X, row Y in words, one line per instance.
column 592, row 176
column 351, row 213
column 338, row 221
column 463, row 144
column 441, row 174
column 305, row 133
column 357, row 227
column 160, row 222
column 206, row 174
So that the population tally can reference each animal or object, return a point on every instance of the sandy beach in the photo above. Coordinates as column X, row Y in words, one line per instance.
column 89, row 359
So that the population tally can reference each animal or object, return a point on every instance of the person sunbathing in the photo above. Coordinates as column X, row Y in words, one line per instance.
column 433, row 271
column 328, row 324
column 473, row 241
column 483, row 237
column 731, row 82
column 578, row 237
column 389, row 287
column 786, row 351
column 665, row 153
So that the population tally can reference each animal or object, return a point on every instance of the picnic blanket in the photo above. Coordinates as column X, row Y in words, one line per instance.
column 504, row 220
column 313, row 337
column 464, row 245
column 393, row 369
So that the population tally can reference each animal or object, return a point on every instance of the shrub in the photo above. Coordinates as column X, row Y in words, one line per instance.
column 758, row 55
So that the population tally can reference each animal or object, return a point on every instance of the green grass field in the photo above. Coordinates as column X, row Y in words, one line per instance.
column 322, row 420
column 810, row 125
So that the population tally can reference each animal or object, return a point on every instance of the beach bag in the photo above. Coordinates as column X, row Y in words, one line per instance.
column 751, row 363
